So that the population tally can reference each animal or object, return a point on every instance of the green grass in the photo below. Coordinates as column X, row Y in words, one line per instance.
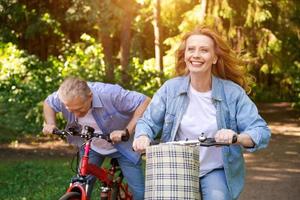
column 6, row 136
column 36, row 179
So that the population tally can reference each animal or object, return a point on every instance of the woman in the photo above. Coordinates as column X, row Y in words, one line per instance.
column 208, row 96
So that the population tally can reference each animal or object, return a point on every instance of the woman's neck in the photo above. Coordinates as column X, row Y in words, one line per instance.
column 201, row 83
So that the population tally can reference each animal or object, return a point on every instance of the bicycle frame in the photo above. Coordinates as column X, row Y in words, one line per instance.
column 80, row 184
column 106, row 176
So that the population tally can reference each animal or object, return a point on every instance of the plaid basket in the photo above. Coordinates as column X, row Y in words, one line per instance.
column 172, row 172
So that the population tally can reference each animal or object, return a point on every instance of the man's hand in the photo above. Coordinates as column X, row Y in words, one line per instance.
column 141, row 143
column 49, row 119
column 116, row 136
column 48, row 128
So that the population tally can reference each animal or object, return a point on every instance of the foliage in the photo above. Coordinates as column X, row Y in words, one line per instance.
column 83, row 59
column 31, row 27
column 42, row 42
column 24, row 82
column 144, row 79
column 295, row 84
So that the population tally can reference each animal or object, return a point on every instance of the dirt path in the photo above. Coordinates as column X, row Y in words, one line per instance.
column 36, row 148
column 273, row 173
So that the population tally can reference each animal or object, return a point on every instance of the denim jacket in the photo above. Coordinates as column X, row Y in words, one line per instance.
column 234, row 110
column 112, row 109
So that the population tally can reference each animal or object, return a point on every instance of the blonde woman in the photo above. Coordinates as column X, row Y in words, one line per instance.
column 208, row 96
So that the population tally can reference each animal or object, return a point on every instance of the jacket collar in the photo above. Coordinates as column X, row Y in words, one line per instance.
column 184, row 87
column 216, row 87
column 96, row 103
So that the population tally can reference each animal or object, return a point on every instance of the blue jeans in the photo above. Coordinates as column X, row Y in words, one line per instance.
column 132, row 173
column 213, row 186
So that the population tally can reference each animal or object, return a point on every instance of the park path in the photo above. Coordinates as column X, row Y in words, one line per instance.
column 274, row 173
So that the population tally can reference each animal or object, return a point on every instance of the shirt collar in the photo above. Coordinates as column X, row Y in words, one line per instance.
column 96, row 103
column 216, row 87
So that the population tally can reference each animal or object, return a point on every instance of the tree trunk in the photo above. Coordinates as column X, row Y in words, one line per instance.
column 240, row 39
column 157, row 37
column 202, row 10
column 106, row 41
column 43, row 48
column 125, row 37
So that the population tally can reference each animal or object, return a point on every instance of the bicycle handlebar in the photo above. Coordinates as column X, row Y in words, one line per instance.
column 88, row 133
column 124, row 138
column 201, row 141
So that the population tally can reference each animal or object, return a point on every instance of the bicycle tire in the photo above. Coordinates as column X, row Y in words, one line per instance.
column 71, row 196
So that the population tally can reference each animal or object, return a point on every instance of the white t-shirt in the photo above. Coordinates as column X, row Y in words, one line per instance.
column 99, row 145
column 200, row 117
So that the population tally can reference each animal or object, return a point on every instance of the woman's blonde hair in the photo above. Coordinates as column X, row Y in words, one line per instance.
column 228, row 65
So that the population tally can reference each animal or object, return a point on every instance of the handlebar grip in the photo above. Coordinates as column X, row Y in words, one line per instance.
column 125, row 137
column 89, row 129
column 155, row 142
column 56, row 131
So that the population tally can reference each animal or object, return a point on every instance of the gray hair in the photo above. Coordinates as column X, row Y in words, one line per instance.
column 72, row 88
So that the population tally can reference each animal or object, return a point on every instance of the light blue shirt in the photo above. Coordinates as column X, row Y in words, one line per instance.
column 112, row 108
column 234, row 110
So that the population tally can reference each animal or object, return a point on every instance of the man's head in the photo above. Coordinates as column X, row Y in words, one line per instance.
column 76, row 95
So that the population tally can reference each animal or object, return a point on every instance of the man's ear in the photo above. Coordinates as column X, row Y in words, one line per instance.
column 90, row 95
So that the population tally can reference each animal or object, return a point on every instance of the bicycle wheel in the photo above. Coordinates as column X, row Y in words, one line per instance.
column 71, row 196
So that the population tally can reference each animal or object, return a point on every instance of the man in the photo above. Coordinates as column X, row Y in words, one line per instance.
column 109, row 109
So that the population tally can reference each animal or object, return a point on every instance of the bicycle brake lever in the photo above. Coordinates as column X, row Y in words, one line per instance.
column 202, row 137
column 234, row 139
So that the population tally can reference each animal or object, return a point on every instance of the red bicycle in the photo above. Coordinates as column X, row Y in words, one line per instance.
column 113, row 186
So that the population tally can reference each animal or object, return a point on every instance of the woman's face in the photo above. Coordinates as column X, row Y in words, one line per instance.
column 199, row 54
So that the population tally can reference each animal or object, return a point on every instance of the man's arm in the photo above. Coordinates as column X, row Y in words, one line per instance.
column 137, row 114
column 116, row 135
column 49, row 119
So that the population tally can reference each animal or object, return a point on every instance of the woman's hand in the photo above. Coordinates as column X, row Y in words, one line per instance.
column 141, row 143
column 225, row 136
